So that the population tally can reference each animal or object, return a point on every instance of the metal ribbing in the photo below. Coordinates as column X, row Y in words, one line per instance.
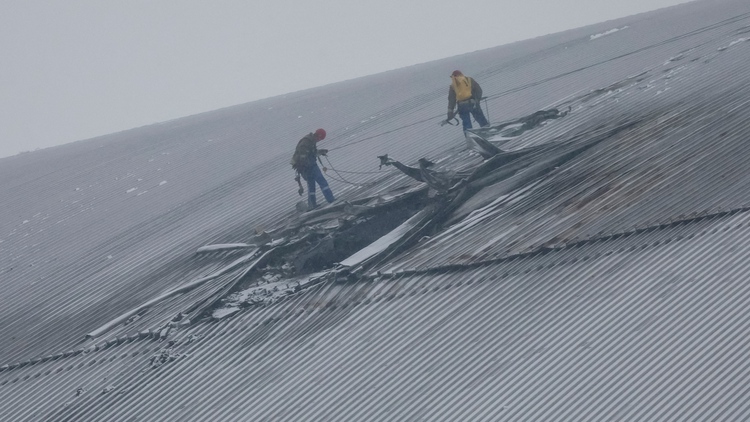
column 409, row 328
column 578, row 333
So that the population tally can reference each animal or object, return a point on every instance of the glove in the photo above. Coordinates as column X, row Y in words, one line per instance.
column 450, row 115
column 322, row 152
column 300, row 191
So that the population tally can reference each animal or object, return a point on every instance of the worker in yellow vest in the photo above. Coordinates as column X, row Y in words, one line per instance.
column 466, row 93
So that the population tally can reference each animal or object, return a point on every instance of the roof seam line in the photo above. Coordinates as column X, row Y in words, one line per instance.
column 719, row 213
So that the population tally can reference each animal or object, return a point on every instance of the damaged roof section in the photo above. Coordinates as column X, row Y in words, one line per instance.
column 280, row 262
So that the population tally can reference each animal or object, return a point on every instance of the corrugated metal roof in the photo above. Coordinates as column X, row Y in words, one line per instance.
column 646, row 326
column 611, row 287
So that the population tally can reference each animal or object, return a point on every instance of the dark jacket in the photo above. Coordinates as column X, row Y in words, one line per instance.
column 305, row 154
column 476, row 94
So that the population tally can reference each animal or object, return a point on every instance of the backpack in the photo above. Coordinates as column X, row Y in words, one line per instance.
column 301, row 158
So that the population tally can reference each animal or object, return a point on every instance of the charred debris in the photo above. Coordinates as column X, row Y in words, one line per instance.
column 351, row 241
column 347, row 242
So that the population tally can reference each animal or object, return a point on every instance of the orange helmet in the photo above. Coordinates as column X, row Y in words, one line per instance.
column 321, row 134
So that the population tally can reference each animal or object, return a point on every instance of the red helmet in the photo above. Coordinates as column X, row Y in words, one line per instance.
column 457, row 73
column 321, row 134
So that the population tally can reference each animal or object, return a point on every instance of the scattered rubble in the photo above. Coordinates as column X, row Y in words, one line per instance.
column 164, row 356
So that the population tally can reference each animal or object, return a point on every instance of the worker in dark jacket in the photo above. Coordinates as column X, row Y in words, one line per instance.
column 466, row 93
column 304, row 163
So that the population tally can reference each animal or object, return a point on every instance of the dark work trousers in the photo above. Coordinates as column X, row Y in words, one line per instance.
column 315, row 175
column 468, row 108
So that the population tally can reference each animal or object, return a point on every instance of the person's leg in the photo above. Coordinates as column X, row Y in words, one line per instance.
column 464, row 110
column 318, row 176
column 311, row 201
column 479, row 115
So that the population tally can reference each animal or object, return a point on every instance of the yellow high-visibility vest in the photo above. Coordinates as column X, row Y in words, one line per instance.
column 462, row 87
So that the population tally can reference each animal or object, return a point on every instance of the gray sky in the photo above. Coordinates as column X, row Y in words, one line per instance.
column 76, row 69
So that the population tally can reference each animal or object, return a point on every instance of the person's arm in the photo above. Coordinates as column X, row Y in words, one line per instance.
column 476, row 90
column 451, row 102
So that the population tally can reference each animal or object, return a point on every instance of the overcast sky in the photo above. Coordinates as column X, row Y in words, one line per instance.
column 76, row 69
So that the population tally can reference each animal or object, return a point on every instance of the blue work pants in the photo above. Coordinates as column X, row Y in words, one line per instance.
column 314, row 175
column 468, row 108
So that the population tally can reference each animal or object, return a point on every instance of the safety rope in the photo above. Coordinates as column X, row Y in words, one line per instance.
column 342, row 179
column 384, row 133
column 360, row 172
